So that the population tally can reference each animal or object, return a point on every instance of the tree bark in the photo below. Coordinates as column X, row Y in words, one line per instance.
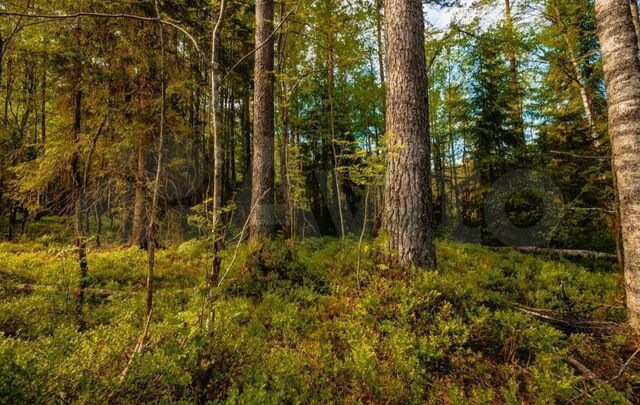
column 246, row 131
column 43, row 108
column 408, row 216
column 138, row 227
column 263, row 178
column 214, row 274
column 513, row 68
column 78, row 202
column 379, row 13
column 619, row 45
column 330, row 88
column 152, row 228
column 284, row 129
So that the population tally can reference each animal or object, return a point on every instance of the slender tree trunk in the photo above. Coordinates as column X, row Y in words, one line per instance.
column 232, row 142
column 408, row 216
column 330, row 89
column 96, row 211
column 78, row 201
column 8, row 90
column 578, row 78
column 218, row 242
column 2, row 50
column 452, row 150
column 515, row 77
column 379, row 16
column 263, row 178
column 138, row 227
column 152, row 228
column 13, row 214
column 619, row 45
column 43, row 108
column 246, row 132
column 438, row 157
column 284, row 129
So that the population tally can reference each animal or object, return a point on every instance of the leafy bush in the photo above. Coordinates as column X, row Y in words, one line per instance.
column 296, row 324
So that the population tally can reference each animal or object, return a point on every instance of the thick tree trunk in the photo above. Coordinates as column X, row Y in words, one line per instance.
column 408, row 216
column 263, row 178
column 622, row 79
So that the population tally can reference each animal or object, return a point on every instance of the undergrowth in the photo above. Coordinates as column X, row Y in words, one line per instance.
column 296, row 323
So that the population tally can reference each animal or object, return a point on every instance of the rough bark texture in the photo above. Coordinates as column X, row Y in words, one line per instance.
column 408, row 211
column 262, row 220
column 622, row 78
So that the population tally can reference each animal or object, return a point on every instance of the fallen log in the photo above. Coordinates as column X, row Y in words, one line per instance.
column 575, row 253
column 568, row 326
column 96, row 292
column 585, row 371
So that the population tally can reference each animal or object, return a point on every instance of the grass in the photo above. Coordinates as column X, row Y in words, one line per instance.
column 296, row 324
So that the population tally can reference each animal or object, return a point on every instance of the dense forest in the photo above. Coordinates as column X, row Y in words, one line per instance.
column 319, row 201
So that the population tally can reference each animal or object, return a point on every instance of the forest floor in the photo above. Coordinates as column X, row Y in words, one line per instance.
column 304, row 323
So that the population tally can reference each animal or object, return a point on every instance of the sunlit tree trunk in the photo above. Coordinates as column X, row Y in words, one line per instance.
column 380, row 51
column 330, row 90
column 263, row 178
column 408, row 209
column 619, row 46
column 214, row 273
column 578, row 76
column 513, row 69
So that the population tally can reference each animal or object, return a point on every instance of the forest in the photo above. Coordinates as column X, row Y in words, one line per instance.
column 320, row 201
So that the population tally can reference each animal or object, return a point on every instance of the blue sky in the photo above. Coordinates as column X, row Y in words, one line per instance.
column 441, row 17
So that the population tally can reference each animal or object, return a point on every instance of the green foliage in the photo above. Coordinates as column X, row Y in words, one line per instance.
column 294, row 325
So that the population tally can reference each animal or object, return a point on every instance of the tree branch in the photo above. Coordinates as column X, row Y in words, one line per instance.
column 266, row 41
column 54, row 17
